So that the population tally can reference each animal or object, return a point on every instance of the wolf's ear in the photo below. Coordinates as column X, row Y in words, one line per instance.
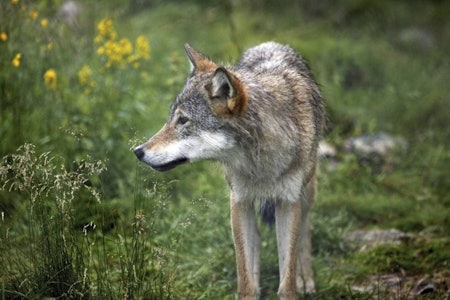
column 226, row 94
column 199, row 61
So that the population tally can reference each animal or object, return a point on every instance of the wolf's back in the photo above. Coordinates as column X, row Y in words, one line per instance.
column 272, row 57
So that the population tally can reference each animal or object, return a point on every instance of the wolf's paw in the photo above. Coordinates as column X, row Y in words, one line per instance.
column 305, row 286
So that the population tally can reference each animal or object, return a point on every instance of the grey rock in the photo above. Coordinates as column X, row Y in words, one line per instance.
column 70, row 13
column 380, row 145
column 416, row 38
column 328, row 155
column 378, row 151
column 363, row 240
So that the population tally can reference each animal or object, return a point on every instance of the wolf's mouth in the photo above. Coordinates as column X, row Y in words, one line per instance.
column 170, row 165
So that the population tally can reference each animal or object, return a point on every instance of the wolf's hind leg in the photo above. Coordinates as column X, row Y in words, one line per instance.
column 305, row 275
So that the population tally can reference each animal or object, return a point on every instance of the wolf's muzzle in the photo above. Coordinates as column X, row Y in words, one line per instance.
column 139, row 152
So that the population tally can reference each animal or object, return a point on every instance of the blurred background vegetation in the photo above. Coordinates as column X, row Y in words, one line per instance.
column 82, row 82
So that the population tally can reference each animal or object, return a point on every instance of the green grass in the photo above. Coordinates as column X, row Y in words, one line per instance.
column 127, row 232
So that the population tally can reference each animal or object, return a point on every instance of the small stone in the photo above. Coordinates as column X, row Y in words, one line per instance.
column 327, row 150
column 70, row 13
column 363, row 240
column 415, row 38
column 328, row 154
column 377, row 151
column 381, row 144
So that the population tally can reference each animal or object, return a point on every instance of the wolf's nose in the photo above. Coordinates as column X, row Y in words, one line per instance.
column 139, row 152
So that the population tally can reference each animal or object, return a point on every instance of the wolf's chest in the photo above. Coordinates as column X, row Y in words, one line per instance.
column 259, row 188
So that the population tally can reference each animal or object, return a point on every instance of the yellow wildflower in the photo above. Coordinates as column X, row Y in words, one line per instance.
column 44, row 23
column 110, row 52
column 85, row 75
column 34, row 14
column 106, row 29
column 133, row 58
column 3, row 36
column 104, row 26
column 50, row 79
column 143, row 47
column 101, row 51
column 16, row 60
column 85, row 79
column 121, row 52
column 116, row 52
column 98, row 39
column 14, row 1
column 124, row 47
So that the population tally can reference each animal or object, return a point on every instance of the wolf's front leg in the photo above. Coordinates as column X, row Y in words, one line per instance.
column 287, row 221
column 247, row 244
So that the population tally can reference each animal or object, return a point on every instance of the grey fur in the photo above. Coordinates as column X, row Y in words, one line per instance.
column 262, row 119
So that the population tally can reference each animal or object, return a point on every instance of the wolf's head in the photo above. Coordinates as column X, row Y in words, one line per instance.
column 198, row 125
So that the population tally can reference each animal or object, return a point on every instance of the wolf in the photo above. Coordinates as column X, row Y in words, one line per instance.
column 262, row 120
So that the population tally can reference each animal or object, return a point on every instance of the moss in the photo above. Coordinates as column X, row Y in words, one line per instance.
column 424, row 256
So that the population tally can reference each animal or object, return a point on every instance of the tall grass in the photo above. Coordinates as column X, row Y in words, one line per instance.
column 49, row 262
column 51, row 255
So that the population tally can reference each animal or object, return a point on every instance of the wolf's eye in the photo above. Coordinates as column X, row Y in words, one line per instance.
column 182, row 120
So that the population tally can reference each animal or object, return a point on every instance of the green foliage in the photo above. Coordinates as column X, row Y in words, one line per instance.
column 419, row 257
column 84, row 95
